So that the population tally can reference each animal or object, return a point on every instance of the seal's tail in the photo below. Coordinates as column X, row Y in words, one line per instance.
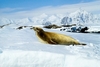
column 83, row 44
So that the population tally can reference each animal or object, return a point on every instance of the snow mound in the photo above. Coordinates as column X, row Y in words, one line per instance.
column 19, row 58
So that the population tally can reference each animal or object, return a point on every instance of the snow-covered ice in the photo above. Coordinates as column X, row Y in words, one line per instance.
column 21, row 48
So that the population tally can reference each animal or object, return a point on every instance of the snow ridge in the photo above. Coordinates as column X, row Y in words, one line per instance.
column 78, row 17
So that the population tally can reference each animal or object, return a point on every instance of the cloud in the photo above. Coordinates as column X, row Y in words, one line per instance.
column 8, row 10
column 93, row 7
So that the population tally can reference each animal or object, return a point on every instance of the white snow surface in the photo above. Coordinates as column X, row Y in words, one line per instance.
column 21, row 48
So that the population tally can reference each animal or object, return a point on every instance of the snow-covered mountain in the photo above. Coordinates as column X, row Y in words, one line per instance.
column 79, row 16
column 4, row 21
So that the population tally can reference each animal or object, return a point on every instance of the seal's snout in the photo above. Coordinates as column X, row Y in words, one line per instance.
column 32, row 28
column 37, row 29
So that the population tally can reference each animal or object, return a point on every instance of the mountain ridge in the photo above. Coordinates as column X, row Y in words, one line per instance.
column 78, row 17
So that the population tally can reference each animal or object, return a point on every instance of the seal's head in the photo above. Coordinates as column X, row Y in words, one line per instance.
column 37, row 29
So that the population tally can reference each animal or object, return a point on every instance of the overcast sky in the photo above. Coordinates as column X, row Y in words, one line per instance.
column 29, row 8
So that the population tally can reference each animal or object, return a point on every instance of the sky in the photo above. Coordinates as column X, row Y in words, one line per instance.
column 33, row 4
column 29, row 7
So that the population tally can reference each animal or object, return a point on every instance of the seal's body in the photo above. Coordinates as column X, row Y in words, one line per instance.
column 55, row 38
